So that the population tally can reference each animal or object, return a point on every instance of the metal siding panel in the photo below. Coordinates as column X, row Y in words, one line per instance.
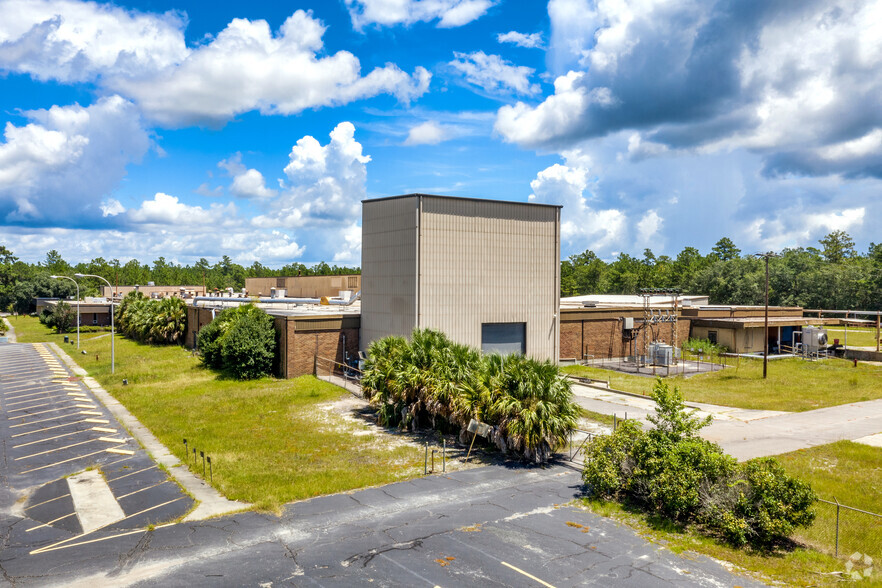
column 388, row 269
column 490, row 262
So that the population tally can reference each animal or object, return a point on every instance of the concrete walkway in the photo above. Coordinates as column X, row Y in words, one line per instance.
column 211, row 503
column 746, row 434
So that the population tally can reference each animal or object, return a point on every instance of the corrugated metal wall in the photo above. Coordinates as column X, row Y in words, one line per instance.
column 304, row 286
column 388, row 268
column 490, row 262
column 478, row 262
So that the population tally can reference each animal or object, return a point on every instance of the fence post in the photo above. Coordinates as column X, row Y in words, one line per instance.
column 837, row 525
column 426, row 462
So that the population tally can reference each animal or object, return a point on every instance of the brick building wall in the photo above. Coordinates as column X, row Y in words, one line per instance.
column 603, row 337
column 302, row 348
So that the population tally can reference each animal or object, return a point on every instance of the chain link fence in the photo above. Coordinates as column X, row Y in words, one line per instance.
column 849, row 533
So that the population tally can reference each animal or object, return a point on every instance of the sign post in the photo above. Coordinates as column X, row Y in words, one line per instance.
column 476, row 428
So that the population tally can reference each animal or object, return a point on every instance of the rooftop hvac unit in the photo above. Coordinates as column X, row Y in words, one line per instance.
column 814, row 339
column 589, row 304
column 151, row 283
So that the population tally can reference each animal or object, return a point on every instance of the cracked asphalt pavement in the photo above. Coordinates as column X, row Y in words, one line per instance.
column 491, row 526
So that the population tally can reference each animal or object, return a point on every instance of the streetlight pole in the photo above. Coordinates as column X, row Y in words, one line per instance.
column 766, row 256
column 78, row 303
column 112, row 357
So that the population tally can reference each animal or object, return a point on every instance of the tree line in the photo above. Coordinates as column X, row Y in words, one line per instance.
column 21, row 282
column 833, row 276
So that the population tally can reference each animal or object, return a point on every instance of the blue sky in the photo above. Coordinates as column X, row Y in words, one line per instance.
column 254, row 130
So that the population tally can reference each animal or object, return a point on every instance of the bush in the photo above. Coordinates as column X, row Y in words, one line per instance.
column 760, row 505
column 669, row 470
column 240, row 341
column 162, row 321
column 432, row 379
column 248, row 346
column 60, row 318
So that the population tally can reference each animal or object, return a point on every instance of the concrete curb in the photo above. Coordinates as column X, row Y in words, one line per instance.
column 210, row 502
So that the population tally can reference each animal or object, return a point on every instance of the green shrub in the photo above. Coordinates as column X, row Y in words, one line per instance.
column 63, row 317
column 162, row 321
column 758, row 505
column 669, row 470
column 248, row 346
column 240, row 341
column 431, row 379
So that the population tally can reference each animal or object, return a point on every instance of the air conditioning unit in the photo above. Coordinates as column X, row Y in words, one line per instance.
column 814, row 339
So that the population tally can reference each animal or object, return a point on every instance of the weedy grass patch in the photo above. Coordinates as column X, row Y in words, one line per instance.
column 271, row 441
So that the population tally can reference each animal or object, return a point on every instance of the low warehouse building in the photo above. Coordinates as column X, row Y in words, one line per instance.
column 304, row 286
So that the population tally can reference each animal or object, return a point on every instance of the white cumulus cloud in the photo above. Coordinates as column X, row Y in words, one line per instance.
column 247, row 183
column 427, row 133
column 529, row 41
column 325, row 183
column 72, row 41
column 169, row 210
column 64, row 162
column 494, row 74
column 448, row 13
column 248, row 67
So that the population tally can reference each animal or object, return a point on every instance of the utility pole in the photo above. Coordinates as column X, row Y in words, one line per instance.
column 766, row 256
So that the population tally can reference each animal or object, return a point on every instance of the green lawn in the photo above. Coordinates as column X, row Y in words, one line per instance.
column 852, row 474
column 856, row 337
column 269, row 441
column 792, row 384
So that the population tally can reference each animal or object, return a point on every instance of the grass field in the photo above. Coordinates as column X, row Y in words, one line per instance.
column 271, row 441
column 792, row 384
column 856, row 337
column 852, row 474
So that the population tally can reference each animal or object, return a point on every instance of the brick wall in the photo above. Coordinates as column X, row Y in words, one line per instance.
column 603, row 338
column 303, row 346
column 197, row 317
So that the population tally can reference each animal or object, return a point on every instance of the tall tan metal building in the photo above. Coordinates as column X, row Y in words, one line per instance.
column 485, row 272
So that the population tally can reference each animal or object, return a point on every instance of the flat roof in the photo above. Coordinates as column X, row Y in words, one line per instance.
column 759, row 321
column 469, row 198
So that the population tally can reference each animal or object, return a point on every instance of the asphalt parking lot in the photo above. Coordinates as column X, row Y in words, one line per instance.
column 70, row 471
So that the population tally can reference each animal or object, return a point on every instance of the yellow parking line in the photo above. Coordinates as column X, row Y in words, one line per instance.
column 46, row 501
column 117, row 461
column 43, row 430
column 54, row 450
column 531, row 576
column 39, row 405
column 120, row 451
column 61, row 544
column 153, row 467
column 34, row 400
column 55, row 418
column 63, row 461
column 92, row 412
column 50, row 438
column 142, row 489
column 26, row 396
column 50, row 522
column 103, row 430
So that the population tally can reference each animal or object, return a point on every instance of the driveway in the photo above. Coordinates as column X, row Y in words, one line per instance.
column 746, row 434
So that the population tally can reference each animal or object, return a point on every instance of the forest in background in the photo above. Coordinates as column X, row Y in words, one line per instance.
column 834, row 275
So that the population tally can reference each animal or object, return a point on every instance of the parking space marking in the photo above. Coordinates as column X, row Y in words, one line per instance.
column 105, row 466
column 62, row 461
column 43, row 430
column 61, row 544
column 41, row 405
column 68, row 447
column 35, row 399
column 142, row 489
column 120, row 451
column 28, row 395
column 51, row 438
column 531, row 576
column 50, row 522
column 103, row 430
column 81, row 405
column 55, row 418
column 153, row 467
column 47, row 501
column 92, row 412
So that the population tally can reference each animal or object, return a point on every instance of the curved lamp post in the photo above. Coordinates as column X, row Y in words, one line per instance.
column 112, row 359
column 78, row 303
